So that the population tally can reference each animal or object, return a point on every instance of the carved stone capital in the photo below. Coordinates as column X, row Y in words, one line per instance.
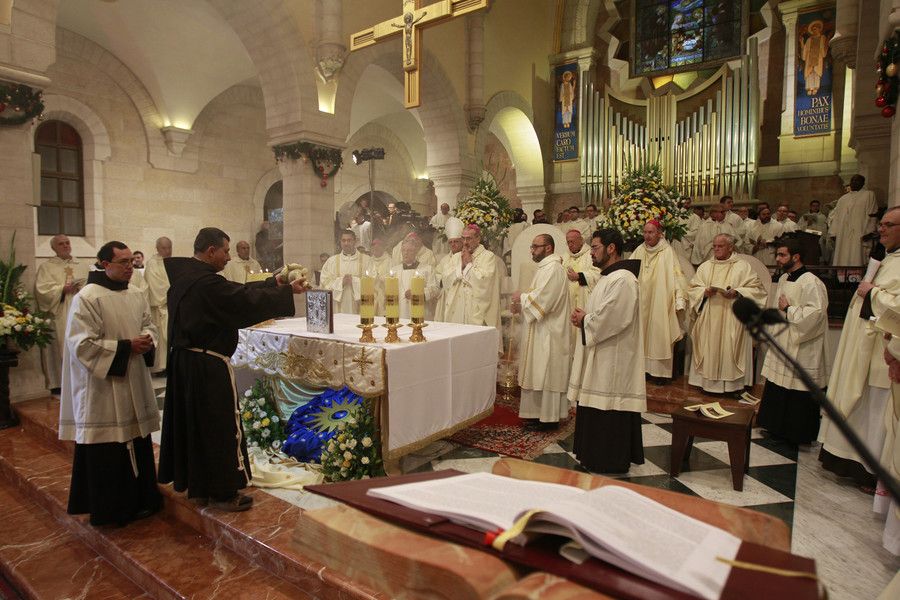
column 330, row 59
column 843, row 51
column 474, row 116
column 176, row 138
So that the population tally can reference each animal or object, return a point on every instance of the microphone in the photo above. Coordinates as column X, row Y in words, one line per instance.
column 750, row 313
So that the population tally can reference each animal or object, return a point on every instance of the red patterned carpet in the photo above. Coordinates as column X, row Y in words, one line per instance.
column 505, row 433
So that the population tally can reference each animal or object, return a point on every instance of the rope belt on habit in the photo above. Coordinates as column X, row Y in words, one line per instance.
column 237, row 412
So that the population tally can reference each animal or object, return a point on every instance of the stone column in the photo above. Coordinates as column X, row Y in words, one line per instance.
column 451, row 182
column 532, row 197
column 330, row 48
column 843, row 54
column 308, row 213
column 475, row 69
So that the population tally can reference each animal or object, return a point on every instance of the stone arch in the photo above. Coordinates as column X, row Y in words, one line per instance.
column 283, row 61
column 96, row 148
column 75, row 46
column 265, row 182
column 511, row 113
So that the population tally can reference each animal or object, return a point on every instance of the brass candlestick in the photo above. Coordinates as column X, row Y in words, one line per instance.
column 367, row 337
column 392, row 325
column 417, row 331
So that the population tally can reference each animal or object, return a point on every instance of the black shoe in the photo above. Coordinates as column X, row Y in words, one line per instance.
column 237, row 503
column 55, row 391
column 144, row 513
column 542, row 426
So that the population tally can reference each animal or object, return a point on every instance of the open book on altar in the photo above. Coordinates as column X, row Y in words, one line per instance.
column 611, row 523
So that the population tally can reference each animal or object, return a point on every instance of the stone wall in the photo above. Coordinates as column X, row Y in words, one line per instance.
column 798, row 193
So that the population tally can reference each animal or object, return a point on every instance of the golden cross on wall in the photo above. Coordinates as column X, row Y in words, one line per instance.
column 414, row 17
column 362, row 361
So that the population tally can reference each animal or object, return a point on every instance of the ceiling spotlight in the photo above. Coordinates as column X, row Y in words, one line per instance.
column 360, row 156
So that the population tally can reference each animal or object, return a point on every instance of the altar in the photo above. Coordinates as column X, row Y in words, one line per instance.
column 420, row 392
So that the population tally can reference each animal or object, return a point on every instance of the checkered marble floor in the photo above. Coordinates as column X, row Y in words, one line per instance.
column 769, row 486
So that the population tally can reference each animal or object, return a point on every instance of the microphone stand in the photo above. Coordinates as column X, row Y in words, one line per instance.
column 759, row 333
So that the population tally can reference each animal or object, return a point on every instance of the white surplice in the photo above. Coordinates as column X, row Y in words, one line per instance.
column 432, row 290
column 580, row 262
column 49, row 282
column 345, row 297
column 663, row 296
column 766, row 232
column 608, row 368
column 544, row 358
column 847, row 223
column 472, row 294
column 706, row 233
column 157, row 290
column 237, row 269
column 95, row 407
column 722, row 349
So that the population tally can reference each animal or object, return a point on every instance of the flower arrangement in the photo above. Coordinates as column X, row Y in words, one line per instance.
column 18, row 322
column 487, row 208
column 354, row 452
column 643, row 196
column 262, row 425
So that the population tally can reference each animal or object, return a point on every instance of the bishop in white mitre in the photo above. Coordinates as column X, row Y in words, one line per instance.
column 788, row 411
column 342, row 274
column 707, row 232
column 607, row 380
column 722, row 350
column 581, row 275
column 56, row 283
column 859, row 385
column 157, row 290
column 472, row 295
column 849, row 221
column 406, row 270
column 663, row 299
column 379, row 268
column 239, row 268
column 544, row 358
column 445, row 271
column 760, row 234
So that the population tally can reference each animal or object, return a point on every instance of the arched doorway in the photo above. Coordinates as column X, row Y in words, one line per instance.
column 270, row 238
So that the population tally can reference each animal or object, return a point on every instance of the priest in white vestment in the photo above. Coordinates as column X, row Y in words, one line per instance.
column 760, row 234
column 425, row 256
column 782, row 212
column 731, row 216
column 239, row 268
column 722, row 349
column 859, row 385
column 663, row 300
column 158, row 289
column 362, row 227
column 890, row 457
column 707, row 232
column 544, row 358
column 379, row 268
column 813, row 220
column 472, row 283
column 849, row 221
column 438, row 222
column 685, row 246
column 408, row 268
column 56, row 283
column 607, row 380
column 342, row 275
column 445, row 271
column 107, row 406
column 581, row 275
column 788, row 410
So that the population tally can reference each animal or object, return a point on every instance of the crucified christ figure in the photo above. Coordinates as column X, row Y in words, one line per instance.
column 409, row 23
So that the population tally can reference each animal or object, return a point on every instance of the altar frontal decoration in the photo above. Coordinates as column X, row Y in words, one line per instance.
column 486, row 207
column 263, row 427
column 643, row 196
column 354, row 452
column 316, row 423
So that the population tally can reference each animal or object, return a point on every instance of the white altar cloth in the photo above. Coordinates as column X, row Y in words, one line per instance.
column 433, row 389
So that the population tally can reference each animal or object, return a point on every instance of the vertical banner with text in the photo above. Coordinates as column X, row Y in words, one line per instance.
column 565, row 136
column 814, row 73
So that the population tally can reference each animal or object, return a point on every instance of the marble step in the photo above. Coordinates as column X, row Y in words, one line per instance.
column 36, row 540
column 262, row 536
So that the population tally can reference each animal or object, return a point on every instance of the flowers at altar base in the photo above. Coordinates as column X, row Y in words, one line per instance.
column 259, row 414
column 349, row 455
column 19, row 323
column 486, row 207
column 315, row 424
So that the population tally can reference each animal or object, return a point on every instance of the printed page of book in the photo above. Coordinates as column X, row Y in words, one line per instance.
column 889, row 322
column 644, row 537
column 480, row 500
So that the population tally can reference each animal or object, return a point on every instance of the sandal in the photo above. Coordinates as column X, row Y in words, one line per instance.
column 236, row 503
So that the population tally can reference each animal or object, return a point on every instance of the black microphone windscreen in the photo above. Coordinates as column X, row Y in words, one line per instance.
column 745, row 309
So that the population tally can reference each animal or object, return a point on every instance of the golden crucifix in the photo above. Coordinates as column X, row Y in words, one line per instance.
column 413, row 19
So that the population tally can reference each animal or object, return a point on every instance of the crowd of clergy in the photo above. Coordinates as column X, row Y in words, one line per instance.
column 595, row 323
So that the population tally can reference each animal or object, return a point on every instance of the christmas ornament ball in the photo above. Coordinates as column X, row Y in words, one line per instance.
column 880, row 101
column 888, row 111
column 891, row 70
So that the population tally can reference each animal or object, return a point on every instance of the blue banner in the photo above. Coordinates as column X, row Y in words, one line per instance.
column 565, row 136
column 814, row 74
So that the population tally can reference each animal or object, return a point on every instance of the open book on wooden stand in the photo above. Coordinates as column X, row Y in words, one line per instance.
column 639, row 560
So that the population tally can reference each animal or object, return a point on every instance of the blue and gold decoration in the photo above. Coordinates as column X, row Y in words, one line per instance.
column 314, row 424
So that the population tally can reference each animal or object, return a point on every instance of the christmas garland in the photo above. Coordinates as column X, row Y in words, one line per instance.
column 319, row 157
column 19, row 104
column 888, row 68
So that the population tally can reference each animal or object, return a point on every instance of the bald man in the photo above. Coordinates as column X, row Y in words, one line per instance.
column 56, row 283
column 238, row 268
column 157, row 288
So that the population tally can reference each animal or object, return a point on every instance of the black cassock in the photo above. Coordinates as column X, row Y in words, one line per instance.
column 203, row 448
